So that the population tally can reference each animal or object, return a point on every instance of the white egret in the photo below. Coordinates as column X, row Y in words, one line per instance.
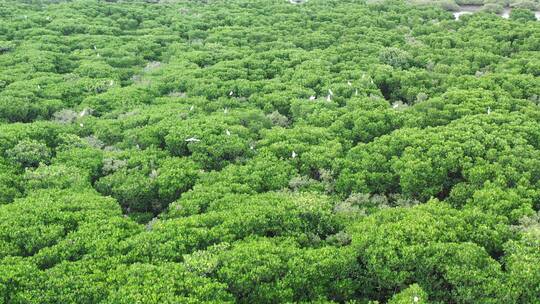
column 193, row 139
column 293, row 154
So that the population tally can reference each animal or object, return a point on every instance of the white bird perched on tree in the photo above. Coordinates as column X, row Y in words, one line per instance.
column 228, row 132
column 231, row 93
column 416, row 299
column 81, row 125
column 312, row 97
column 191, row 108
column 95, row 48
column 84, row 112
column 226, row 110
column 489, row 110
column 193, row 139
column 293, row 155
column 329, row 97
column 330, row 92
column 356, row 92
column 349, row 83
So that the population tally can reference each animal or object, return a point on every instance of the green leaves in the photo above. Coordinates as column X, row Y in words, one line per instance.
column 267, row 152
column 30, row 153
column 10, row 181
column 234, row 217
column 211, row 142
column 18, row 278
column 411, row 294
column 56, row 177
column 163, row 283
column 263, row 270
column 430, row 162
column 521, row 260
column 45, row 217
column 176, row 176
column 395, row 57
column 391, row 244
column 522, row 14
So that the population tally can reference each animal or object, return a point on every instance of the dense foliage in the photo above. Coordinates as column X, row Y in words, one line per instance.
column 261, row 151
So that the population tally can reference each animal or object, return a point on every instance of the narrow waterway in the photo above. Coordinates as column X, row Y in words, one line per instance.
column 471, row 9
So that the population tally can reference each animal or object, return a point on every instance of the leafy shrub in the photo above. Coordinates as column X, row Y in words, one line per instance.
column 30, row 153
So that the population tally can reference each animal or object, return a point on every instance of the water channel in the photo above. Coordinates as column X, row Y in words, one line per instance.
column 471, row 9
